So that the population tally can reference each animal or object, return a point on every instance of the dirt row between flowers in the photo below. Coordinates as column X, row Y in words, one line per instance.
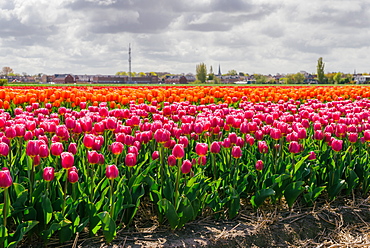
column 342, row 223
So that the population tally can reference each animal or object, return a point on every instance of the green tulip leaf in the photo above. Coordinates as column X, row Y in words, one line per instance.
column 108, row 226
column 260, row 196
column 292, row 192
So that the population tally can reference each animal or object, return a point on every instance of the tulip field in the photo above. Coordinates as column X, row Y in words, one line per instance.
column 85, row 159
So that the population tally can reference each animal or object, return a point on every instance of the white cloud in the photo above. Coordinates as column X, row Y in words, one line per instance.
column 259, row 36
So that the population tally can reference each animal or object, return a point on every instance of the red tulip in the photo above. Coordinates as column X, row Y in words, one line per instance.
column 236, row 152
column 43, row 151
column 89, row 140
column 5, row 179
column 130, row 160
column 116, row 148
column 36, row 160
column 186, row 166
column 155, row 155
column 337, row 145
column 72, row 148
column 312, row 155
column 215, row 147
column 48, row 174
column 10, row 132
column 162, row 136
column 111, row 171
column 72, row 176
column 233, row 137
column 171, row 160
column 178, row 151
column 4, row 149
column 28, row 136
column 32, row 148
column 352, row 137
column 295, row 147
column 202, row 160
column 67, row 160
column 275, row 133
column 56, row 148
column 184, row 141
column 259, row 165
column 201, row 149
column 262, row 147
column 93, row 157
column 367, row 135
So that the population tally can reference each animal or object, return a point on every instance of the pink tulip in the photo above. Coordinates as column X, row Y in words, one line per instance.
column 259, row 165
column 130, row 160
column 67, row 159
column 186, row 166
column 111, row 172
column 48, row 174
column 5, row 178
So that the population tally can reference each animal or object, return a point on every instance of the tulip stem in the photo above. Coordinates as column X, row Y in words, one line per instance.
column 5, row 210
column 65, row 192
column 177, row 182
column 213, row 166
column 111, row 198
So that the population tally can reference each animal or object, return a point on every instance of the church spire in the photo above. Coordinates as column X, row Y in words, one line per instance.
column 219, row 70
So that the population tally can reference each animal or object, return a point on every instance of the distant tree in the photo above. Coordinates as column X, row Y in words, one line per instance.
column 320, row 70
column 142, row 74
column 201, row 70
column 6, row 71
column 121, row 73
column 153, row 73
column 241, row 74
column 337, row 78
column 260, row 79
column 329, row 78
column 298, row 78
column 232, row 73
column 211, row 75
column 217, row 80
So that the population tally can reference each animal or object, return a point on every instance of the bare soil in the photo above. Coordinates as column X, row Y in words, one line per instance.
column 341, row 223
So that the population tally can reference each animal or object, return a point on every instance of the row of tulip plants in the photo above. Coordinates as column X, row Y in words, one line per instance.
column 71, row 169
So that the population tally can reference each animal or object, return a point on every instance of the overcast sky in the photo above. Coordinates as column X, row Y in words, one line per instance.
column 251, row 36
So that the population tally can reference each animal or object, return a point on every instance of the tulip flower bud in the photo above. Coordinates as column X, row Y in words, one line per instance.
column 67, row 159
column 32, row 148
column 295, row 147
column 352, row 137
column 72, row 148
column 312, row 155
column 178, row 151
column 171, row 160
column 111, row 171
column 367, row 135
column 4, row 149
column 48, row 174
column 262, row 147
column 184, row 141
column 215, row 147
column 259, row 165
column 201, row 149
column 155, row 155
column 186, row 166
column 337, row 145
column 72, row 176
column 134, row 150
column 93, row 157
column 116, row 148
column 5, row 179
column 236, row 152
column 233, row 137
column 130, row 160
column 89, row 140
column 56, row 148
column 202, row 160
